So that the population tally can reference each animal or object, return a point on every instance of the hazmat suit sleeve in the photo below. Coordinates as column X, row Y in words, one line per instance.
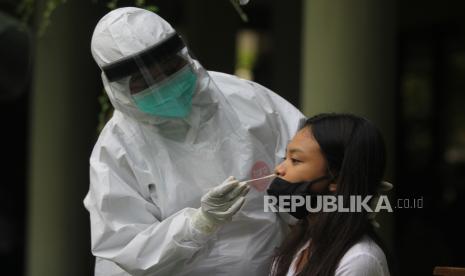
column 285, row 119
column 126, row 226
column 288, row 121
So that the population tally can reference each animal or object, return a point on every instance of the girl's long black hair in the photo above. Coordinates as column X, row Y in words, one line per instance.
column 355, row 152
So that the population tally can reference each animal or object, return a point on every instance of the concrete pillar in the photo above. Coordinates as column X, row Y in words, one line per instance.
column 63, row 129
column 349, row 66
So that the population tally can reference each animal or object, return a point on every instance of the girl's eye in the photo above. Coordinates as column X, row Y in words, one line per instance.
column 295, row 161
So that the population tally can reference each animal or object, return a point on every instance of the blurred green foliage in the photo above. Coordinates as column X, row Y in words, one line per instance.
column 27, row 8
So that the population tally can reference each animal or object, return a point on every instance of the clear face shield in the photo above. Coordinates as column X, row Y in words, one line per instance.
column 162, row 80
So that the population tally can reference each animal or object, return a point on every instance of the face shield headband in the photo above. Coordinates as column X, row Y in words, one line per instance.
column 131, row 65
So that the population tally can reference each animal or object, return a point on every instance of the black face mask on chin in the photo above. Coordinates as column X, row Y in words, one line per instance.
column 281, row 187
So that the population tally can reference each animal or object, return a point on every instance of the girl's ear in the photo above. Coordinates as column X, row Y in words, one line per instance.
column 332, row 187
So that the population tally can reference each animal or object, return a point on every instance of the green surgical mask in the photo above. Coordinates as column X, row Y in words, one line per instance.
column 172, row 98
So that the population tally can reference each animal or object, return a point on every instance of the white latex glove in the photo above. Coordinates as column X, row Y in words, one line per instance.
column 219, row 205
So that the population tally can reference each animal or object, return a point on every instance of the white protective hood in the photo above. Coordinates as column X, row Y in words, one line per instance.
column 115, row 38
column 147, row 174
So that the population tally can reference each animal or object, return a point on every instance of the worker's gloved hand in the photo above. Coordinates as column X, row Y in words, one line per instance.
column 219, row 205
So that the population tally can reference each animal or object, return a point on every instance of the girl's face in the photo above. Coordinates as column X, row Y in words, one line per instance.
column 304, row 161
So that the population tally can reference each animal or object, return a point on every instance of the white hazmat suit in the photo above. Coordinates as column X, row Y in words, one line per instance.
column 148, row 173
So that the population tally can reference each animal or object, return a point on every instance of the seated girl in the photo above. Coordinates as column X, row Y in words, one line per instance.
column 332, row 154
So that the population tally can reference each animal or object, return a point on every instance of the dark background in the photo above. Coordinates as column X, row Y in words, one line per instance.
column 49, row 108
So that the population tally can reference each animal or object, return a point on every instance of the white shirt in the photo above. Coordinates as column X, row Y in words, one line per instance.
column 364, row 258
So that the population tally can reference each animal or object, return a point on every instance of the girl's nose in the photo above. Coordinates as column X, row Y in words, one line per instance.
column 279, row 170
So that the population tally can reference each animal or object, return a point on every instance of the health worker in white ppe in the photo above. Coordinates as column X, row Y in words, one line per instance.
column 160, row 199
